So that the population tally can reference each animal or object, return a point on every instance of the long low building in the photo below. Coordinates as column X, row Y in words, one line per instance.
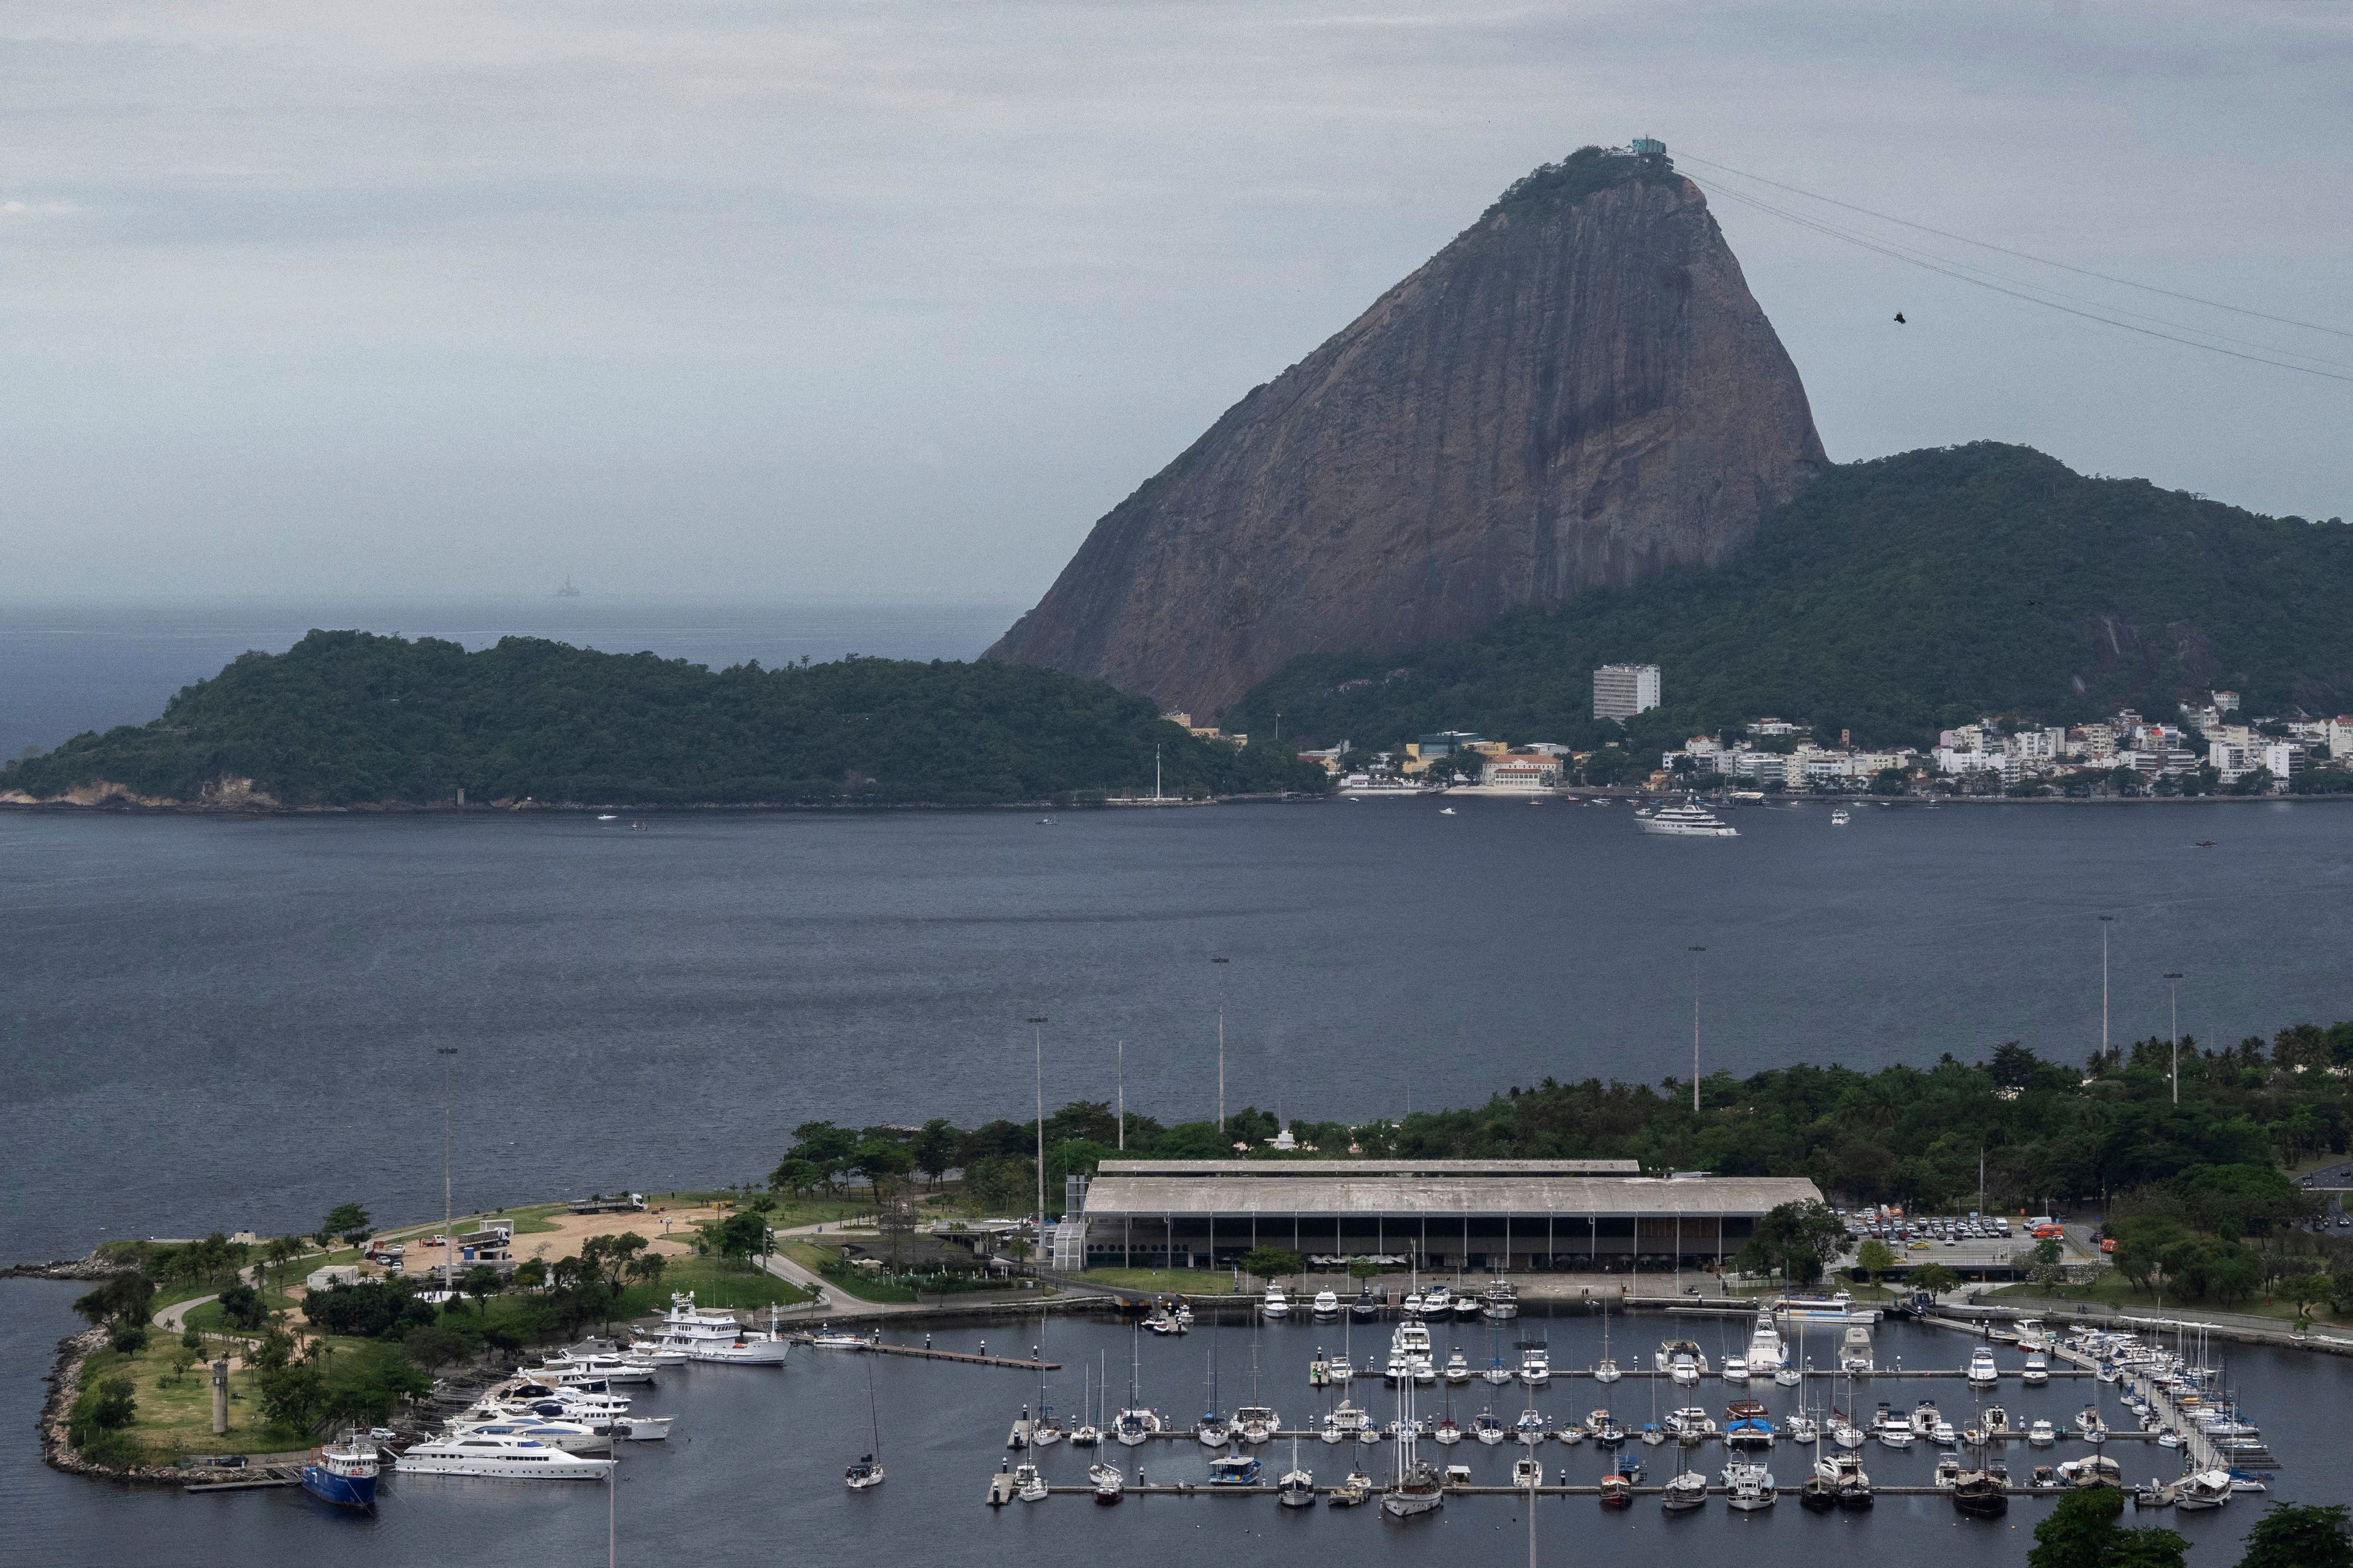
column 1443, row 1214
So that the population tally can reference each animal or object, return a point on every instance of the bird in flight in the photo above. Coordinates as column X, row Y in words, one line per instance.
column 1899, row 318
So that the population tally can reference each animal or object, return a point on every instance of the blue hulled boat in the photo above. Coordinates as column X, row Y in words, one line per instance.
column 343, row 1473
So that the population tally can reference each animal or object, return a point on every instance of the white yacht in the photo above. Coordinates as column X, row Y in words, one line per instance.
column 1681, row 1361
column 1276, row 1306
column 1502, row 1301
column 1605, row 1371
column 2041, row 1434
column 572, row 1436
column 1749, row 1486
column 1982, row 1372
column 1344, row 1423
column 1735, row 1369
column 1688, row 820
column 1326, row 1306
column 1457, row 1369
column 2037, row 1373
column 1489, row 1428
column 1855, row 1348
column 1840, row 817
column 1254, row 1423
column 704, row 1335
column 1437, row 1302
column 1535, row 1365
column 563, row 1367
column 1134, row 1425
column 500, row 1454
column 1691, row 1423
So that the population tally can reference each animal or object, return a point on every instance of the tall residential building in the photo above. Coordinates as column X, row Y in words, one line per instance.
column 1622, row 690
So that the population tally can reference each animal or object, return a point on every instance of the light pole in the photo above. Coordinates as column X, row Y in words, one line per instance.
column 1038, row 1050
column 1221, row 1046
column 2106, row 922
column 2173, row 978
column 1122, row 1048
column 449, row 1229
column 1695, row 953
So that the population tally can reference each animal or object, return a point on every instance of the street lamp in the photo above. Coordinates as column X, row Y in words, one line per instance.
column 1122, row 1048
column 1695, row 953
column 2174, row 977
column 1222, row 1047
column 2106, row 922
column 449, row 1230
column 1038, row 1051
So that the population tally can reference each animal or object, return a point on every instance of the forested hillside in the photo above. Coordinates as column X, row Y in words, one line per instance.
column 1894, row 598
column 350, row 719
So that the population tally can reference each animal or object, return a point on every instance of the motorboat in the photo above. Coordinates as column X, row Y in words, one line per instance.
column 1947, row 1470
column 1749, row 1487
column 1365, row 1308
column 1326, row 1306
column 1438, row 1301
column 1997, row 1420
column 2090, row 1426
column 1893, row 1430
column 1942, row 1435
column 1688, row 820
column 572, row 1436
column 500, row 1455
column 1468, row 1307
column 1735, row 1369
column 566, row 1366
column 1617, row 1491
column 1690, row 1424
column 1028, row 1483
column 1412, row 1306
column 1982, row 1372
column 344, row 1473
column 1528, row 1472
column 1925, row 1418
column 1535, row 1365
column 2037, row 1372
column 1276, row 1306
column 2042, row 1435
column 1841, row 818
column 1356, row 1490
column 1681, row 1361
column 1457, row 1371
column 1340, row 1370
column 1604, row 1426
column 1488, row 1428
column 1767, row 1354
column 1501, row 1300
column 1855, row 1348
column 1110, row 1482
column 1683, row 1491
column 703, row 1335
column 1234, row 1470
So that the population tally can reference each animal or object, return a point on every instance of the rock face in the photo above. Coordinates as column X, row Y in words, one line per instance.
column 1580, row 390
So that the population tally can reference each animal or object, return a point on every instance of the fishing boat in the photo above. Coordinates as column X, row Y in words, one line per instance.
column 1749, row 1487
column 343, row 1473
column 1980, row 1495
column 1982, row 1372
column 498, row 1456
column 1296, row 1486
column 1617, row 1491
column 1414, row 1488
column 1110, row 1482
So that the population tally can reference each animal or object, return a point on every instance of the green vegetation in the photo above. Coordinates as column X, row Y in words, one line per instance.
column 351, row 719
column 2294, row 1536
column 1584, row 172
column 1163, row 1282
column 2082, row 1532
column 1894, row 597
column 1271, row 1263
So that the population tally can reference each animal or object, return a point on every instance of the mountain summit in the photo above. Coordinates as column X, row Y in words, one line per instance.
column 1578, row 391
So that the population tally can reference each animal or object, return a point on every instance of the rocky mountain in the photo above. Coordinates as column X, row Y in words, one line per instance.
column 1578, row 391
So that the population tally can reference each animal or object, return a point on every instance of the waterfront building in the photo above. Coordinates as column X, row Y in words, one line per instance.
column 1521, row 770
column 1440, row 1215
column 1622, row 690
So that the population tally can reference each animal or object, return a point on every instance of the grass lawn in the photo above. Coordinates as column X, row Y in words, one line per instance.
column 175, row 1410
column 716, row 1282
column 1166, row 1281
column 206, row 1319
column 2114, row 1291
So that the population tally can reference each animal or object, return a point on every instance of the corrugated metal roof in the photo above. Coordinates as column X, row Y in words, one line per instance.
column 1369, row 1195
column 1276, row 1168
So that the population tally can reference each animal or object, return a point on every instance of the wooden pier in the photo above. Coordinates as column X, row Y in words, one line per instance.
column 968, row 1358
column 250, row 1480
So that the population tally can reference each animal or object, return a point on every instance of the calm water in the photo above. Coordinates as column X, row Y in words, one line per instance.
column 754, row 1472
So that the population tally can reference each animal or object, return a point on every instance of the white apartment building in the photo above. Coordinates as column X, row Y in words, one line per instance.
column 1622, row 690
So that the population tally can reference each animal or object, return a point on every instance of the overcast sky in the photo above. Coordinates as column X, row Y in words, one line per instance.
column 781, row 301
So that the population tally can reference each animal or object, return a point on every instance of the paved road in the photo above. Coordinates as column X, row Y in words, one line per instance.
column 174, row 1318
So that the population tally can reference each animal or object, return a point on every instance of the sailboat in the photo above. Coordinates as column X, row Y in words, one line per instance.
column 1045, row 1431
column 1296, row 1488
column 1255, row 1422
column 1212, row 1428
column 1134, row 1425
column 866, row 1473
column 1606, row 1371
column 1413, row 1487
column 1086, row 1434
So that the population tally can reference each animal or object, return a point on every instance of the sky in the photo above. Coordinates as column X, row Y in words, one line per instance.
column 789, row 300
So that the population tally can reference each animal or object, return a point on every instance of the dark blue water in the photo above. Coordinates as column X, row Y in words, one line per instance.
column 226, row 1022
column 70, row 666
column 754, row 1472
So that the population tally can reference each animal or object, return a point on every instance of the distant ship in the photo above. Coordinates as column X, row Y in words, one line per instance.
column 569, row 591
